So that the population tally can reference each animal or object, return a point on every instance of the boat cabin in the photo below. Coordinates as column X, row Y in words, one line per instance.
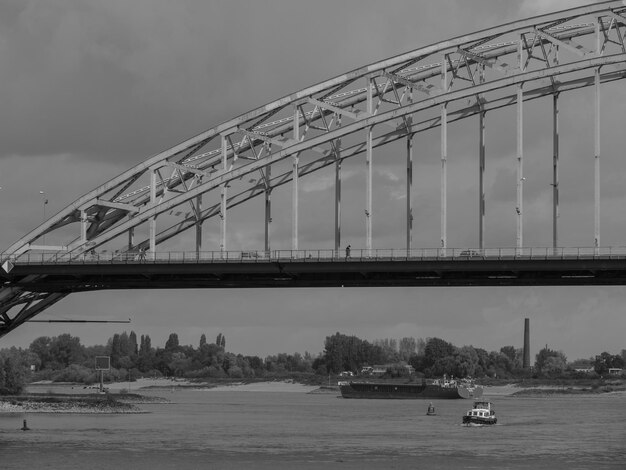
column 481, row 409
column 480, row 413
column 483, row 405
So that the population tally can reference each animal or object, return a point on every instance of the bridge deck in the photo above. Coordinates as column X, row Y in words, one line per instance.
column 315, row 269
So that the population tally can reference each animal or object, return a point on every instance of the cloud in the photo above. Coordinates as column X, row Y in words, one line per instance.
column 122, row 80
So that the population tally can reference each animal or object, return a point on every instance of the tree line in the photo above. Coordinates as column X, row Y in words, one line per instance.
column 431, row 358
column 64, row 359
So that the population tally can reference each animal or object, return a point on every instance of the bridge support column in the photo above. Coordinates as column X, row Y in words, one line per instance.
column 481, row 166
column 338, row 192
column 223, row 197
column 152, row 223
column 131, row 236
column 369, row 162
column 294, row 180
column 83, row 226
column 409, row 179
column 199, row 223
column 520, row 168
column 481, row 180
column 444, row 159
column 520, row 152
column 555, row 172
column 555, row 161
column 409, row 190
column 268, row 204
column 596, row 242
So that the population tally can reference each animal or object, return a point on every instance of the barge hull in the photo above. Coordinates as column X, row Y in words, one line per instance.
column 407, row 391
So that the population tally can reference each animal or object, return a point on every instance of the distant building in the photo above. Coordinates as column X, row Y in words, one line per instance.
column 379, row 370
column 615, row 371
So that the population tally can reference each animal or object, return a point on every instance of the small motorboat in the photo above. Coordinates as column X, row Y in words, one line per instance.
column 480, row 414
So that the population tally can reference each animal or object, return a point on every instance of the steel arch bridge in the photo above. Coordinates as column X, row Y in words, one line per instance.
column 354, row 114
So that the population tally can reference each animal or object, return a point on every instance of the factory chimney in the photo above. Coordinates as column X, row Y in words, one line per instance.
column 526, row 362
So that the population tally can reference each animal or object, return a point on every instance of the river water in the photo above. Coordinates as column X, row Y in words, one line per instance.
column 231, row 429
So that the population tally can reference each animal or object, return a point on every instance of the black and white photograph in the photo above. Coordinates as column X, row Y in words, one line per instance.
column 286, row 234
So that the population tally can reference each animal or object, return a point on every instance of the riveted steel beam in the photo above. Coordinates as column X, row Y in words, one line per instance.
column 334, row 109
column 264, row 138
column 186, row 169
column 398, row 79
column 568, row 45
column 491, row 63
column 117, row 205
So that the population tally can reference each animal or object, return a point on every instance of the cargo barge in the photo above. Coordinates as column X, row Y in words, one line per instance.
column 438, row 389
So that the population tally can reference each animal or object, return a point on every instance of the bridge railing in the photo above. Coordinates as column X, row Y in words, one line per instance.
column 352, row 255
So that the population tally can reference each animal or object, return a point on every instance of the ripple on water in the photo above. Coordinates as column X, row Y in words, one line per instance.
column 281, row 428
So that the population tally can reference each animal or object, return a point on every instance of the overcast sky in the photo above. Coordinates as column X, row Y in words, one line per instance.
column 89, row 89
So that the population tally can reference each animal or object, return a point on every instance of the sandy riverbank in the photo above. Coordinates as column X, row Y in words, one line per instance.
column 500, row 390
column 101, row 404
column 291, row 386
column 517, row 390
column 123, row 397
column 54, row 397
column 146, row 385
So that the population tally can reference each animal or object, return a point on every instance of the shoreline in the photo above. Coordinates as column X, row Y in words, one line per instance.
column 293, row 385
column 562, row 391
column 76, row 404
column 145, row 384
column 120, row 398
column 124, row 397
